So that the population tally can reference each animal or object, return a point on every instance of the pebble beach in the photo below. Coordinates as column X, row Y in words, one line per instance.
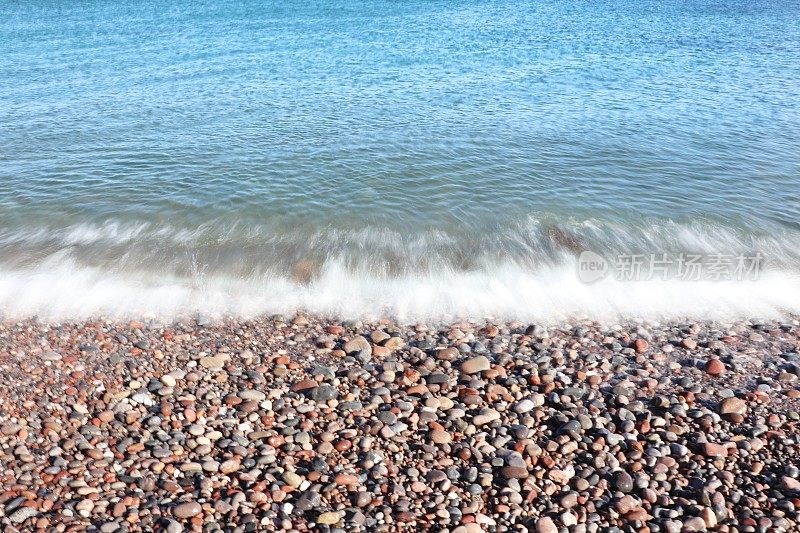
column 397, row 267
column 301, row 423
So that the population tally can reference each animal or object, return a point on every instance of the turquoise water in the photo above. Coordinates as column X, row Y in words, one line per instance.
column 418, row 158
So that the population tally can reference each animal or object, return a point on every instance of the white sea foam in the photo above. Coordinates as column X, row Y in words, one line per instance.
column 59, row 289
column 526, row 271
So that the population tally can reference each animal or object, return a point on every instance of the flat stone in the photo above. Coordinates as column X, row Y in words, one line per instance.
column 514, row 472
column 357, row 344
column 545, row 525
column 22, row 514
column 379, row 336
column 229, row 466
column 732, row 405
column 10, row 429
column 447, row 354
column 486, row 417
column 323, row 393
column 329, row 518
column 790, row 483
column 524, row 406
column 51, row 356
column 187, row 510
column 711, row 449
column 292, row 479
column 217, row 361
column 345, row 479
column 394, row 343
column 252, row 395
column 475, row 365
column 303, row 385
column 440, row 437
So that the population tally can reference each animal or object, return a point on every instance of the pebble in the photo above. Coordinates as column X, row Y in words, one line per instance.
column 475, row 364
column 378, row 426
column 252, row 395
column 292, row 479
column 545, row 524
column 790, row 483
column 22, row 514
column 732, row 405
column 329, row 518
column 173, row 526
column 214, row 362
column 51, row 356
column 359, row 347
column 524, row 406
column 623, row 481
column 143, row 398
column 715, row 367
column 641, row 345
column 187, row 510
column 323, row 393
column 439, row 436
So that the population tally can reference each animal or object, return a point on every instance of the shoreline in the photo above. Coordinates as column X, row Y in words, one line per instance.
column 318, row 424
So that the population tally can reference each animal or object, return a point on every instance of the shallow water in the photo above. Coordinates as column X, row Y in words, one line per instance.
column 422, row 159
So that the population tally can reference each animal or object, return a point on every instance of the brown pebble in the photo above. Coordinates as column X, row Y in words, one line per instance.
column 640, row 345
column 715, row 367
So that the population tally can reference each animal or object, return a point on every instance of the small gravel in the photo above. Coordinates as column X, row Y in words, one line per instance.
column 306, row 424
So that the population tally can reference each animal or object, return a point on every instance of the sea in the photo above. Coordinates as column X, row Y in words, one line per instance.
column 418, row 159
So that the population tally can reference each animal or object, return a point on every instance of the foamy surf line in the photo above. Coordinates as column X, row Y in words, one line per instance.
column 504, row 291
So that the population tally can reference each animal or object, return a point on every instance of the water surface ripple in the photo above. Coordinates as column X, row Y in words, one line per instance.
column 420, row 158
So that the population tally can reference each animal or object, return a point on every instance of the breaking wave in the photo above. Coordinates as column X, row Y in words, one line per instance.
column 527, row 271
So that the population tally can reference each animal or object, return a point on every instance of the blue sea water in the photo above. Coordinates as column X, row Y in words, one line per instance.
column 417, row 158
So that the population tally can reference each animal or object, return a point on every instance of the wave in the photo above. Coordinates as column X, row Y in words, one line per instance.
column 529, row 271
column 65, row 290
